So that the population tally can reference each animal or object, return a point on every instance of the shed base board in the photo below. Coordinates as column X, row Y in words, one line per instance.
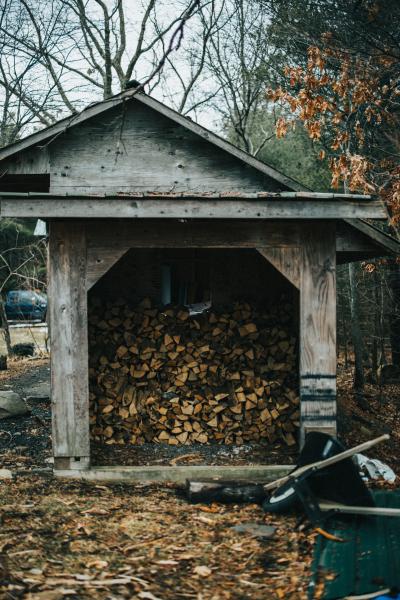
column 256, row 473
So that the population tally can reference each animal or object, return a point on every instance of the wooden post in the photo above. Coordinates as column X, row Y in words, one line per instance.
column 69, row 345
column 318, row 329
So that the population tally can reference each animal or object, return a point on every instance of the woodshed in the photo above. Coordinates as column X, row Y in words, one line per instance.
column 143, row 203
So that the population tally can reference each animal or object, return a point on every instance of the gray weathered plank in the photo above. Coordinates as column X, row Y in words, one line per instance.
column 136, row 114
column 33, row 161
column 100, row 260
column 137, row 148
column 156, row 208
column 69, row 343
column 286, row 261
column 260, row 473
column 219, row 142
column 387, row 243
column 226, row 194
column 221, row 233
column 216, row 234
column 318, row 329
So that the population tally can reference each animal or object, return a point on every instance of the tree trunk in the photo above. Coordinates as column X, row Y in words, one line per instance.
column 345, row 335
column 394, row 282
column 4, row 325
column 376, row 339
column 382, row 349
column 356, row 331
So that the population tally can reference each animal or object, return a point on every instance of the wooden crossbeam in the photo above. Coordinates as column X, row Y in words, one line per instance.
column 100, row 260
column 286, row 261
column 204, row 208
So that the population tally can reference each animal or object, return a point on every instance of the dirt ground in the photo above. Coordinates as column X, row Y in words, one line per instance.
column 377, row 412
column 61, row 539
column 109, row 542
column 25, row 441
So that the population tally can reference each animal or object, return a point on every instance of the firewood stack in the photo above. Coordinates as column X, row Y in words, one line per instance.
column 161, row 375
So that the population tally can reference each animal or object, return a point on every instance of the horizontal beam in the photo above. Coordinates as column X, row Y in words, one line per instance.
column 191, row 234
column 199, row 208
column 382, row 239
column 121, row 234
column 257, row 473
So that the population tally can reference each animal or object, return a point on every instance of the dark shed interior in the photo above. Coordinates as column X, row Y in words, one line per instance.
column 237, row 288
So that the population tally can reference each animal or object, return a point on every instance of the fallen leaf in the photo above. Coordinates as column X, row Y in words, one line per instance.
column 95, row 511
column 189, row 457
column 202, row 570
column 329, row 536
column 97, row 564
column 204, row 520
column 50, row 595
column 255, row 529
column 213, row 508
column 147, row 596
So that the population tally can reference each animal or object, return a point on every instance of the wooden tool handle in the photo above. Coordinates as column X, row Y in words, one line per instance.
column 379, row 511
column 321, row 464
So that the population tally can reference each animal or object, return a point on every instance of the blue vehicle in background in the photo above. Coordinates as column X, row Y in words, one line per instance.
column 26, row 304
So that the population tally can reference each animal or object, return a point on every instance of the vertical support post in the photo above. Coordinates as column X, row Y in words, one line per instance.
column 69, row 345
column 318, row 329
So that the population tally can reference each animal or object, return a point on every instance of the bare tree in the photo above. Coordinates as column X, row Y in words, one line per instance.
column 56, row 56
column 186, row 80
column 356, row 333
column 240, row 61
column 22, row 265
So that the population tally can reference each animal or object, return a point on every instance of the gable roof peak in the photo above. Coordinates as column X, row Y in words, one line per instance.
column 44, row 137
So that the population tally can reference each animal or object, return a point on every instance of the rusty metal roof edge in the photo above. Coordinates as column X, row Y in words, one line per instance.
column 227, row 195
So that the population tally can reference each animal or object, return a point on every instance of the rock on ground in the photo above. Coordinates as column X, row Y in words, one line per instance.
column 5, row 474
column 12, row 405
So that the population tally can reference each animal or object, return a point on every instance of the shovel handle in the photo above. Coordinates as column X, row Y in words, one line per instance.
column 321, row 464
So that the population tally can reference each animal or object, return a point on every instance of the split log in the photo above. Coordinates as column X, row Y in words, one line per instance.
column 226, row 492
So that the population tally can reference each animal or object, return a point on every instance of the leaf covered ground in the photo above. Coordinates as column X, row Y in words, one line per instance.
column 71, row 539
column 77, row 540
column 375, row 413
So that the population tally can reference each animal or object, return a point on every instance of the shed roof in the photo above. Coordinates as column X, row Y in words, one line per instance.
column 47, row 135
column 298, row 203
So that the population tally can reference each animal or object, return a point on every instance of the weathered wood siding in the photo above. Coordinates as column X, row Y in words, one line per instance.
column 134, row 148
column 318, row 329
column 286, row 261
column 33, row 161
column 69, row 343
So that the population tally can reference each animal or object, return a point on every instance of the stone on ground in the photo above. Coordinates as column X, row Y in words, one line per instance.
column 5, row 474
column 12, row 405
column 39, row 391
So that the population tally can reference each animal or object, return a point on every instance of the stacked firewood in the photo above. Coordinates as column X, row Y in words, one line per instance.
column 162, row 375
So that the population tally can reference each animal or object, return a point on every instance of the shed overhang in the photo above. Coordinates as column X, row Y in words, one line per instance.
column 229, row 205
